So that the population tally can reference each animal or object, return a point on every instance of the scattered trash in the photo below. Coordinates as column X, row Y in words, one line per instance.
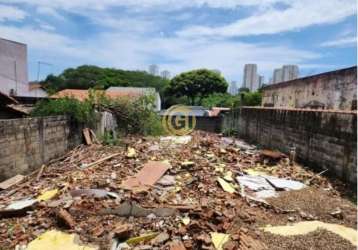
column 226, row 186
column 131, row 152
column 56, row 240
column 306, row 227
column 185, row 220
column 66, row 218
column 219, row 240
column 98, row 193
column 18, row 205
column 177, row 245
column 47, row 195
column 167, row 180
column 283, row 184
column 83, row 166
column 185, row 139
column 141, row 238
column 274, row 155
column 146, row 177
column 160, row 239
column 183, row 192
column 128, row 209
column 12, row 181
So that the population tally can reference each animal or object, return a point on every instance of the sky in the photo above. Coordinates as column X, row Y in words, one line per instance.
column 181, row 35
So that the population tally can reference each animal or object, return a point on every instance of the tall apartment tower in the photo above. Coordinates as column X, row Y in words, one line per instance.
column 233, row 88
column 277, row 76
column 250, row 79
column 289, row 72
column 153, row 69
column 261, row 81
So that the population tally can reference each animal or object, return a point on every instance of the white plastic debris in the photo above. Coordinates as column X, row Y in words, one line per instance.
column 284, row 184
column 185, row 139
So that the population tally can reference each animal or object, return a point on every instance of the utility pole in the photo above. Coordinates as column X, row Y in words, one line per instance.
column 39, row 63
column 15, row 71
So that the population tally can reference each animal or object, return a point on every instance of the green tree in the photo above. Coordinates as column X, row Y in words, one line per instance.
column 219, row 100
column 88, row 76
column 197, row 84
column 251, row 98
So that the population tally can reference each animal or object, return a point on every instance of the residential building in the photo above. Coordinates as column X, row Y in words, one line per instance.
column 261, row 81
column 335, row 90
column 289, row 72
column 233, row 89
column 153, row 69
column 14, row 73
column 165, row 74
column 112, row 92
column 277, row 76
column 286, row 73
column 250, row 79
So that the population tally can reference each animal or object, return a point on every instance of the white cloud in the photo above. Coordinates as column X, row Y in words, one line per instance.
column 298, row 15
column 11, row 13
column 164, row 5
column 129, row 51
column 341, row 42
column 45, row 10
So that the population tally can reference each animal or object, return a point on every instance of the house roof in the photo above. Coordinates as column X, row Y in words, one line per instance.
column 5, row 99
column 82, row 94
column 35, row 85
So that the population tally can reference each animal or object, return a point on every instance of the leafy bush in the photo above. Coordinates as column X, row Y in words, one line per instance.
column 82, row 112
column 220, row 100
column 134, row 116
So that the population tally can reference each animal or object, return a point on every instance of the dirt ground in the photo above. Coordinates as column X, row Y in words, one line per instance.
column 187, row 208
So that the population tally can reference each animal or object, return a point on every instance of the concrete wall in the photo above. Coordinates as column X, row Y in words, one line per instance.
column 25, row 144
column 331, row 90
column 323, row 139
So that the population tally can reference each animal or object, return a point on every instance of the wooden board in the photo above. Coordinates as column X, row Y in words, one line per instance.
column 12, row 181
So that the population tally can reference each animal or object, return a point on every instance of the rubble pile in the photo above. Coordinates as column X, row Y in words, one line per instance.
column 193, row 192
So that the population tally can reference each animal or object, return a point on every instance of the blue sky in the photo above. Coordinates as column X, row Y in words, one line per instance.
column 182, row 35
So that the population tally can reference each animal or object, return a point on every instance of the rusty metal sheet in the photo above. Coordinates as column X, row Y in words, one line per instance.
column 147, row 176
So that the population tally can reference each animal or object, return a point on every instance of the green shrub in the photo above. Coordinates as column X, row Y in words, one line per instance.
column 82, row 112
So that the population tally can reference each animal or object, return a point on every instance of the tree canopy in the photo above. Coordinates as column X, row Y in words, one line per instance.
column 197, row 84
column 88, row 76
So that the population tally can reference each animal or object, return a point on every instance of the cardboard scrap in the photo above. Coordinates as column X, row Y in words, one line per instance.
column 146, row 177
column 56, row 240
column 12, row 181
column 219, row 240
column 306, row 227
column 226, row 186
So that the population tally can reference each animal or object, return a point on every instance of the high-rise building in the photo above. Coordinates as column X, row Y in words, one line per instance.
column 261, row 81
column 289, row 72
column 153, row 69
column 277, row 76
column 250, row 79
column 286, row 73
column 233, row 88
column 165, row 74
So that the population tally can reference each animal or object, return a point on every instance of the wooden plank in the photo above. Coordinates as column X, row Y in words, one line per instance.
column 12, row 181
column 86, row 134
